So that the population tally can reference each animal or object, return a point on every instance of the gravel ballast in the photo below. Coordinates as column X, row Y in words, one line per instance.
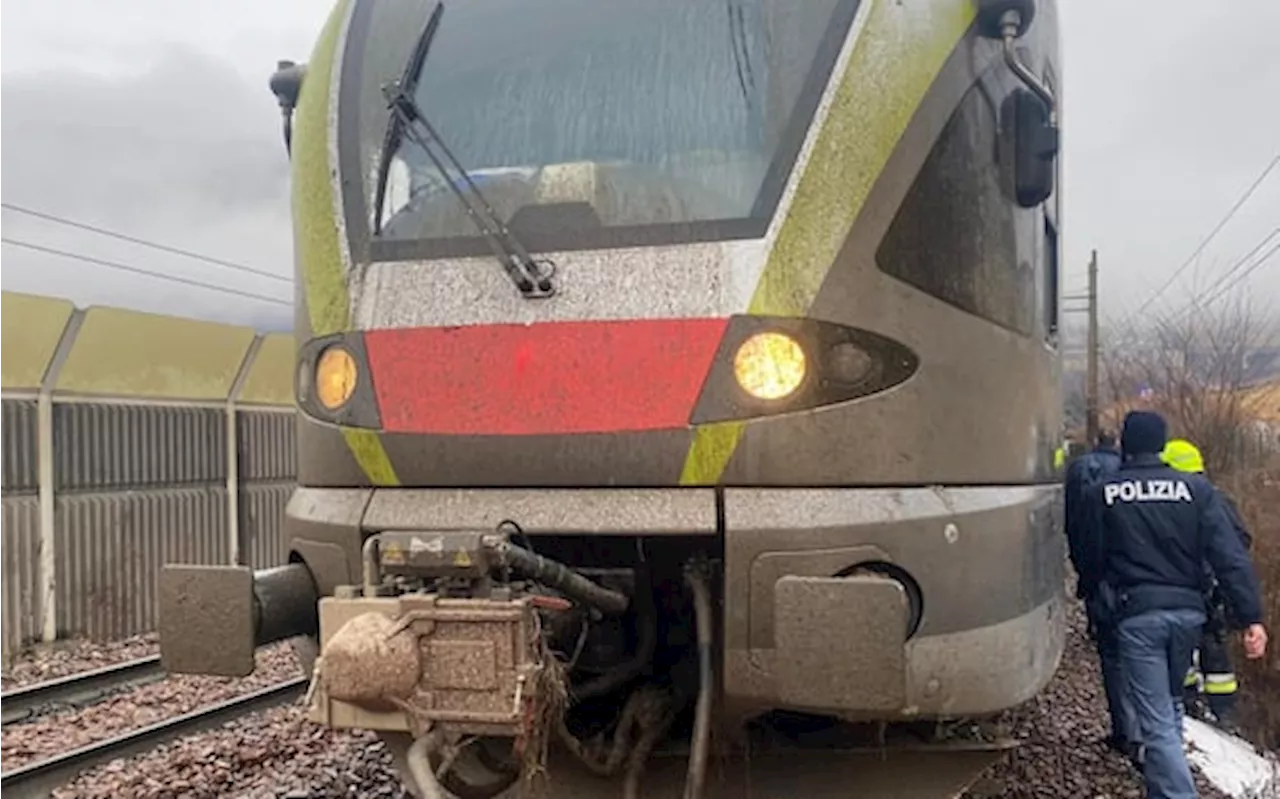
column 279, row 754
column 1061, row 732
column 72, row 728
column 64, row 658
column 271, row 755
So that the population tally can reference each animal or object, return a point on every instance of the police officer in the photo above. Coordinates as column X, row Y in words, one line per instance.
column 1083, row 473
column 1210, row 676
column 1151, row 530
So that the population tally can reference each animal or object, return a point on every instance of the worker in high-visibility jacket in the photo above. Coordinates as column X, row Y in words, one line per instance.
column 1210, row 686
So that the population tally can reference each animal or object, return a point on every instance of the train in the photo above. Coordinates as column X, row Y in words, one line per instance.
column 678, row 383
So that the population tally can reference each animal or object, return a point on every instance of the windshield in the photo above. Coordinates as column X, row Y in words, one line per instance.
column 581, row 115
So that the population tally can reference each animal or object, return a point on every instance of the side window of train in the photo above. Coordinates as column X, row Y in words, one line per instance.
column 1052, row 285
column 959, row 234
column 1052, row 272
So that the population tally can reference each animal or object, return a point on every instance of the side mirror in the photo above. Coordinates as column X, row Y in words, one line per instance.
column 286, row 85
column 1028, row 117
column 1027, row 124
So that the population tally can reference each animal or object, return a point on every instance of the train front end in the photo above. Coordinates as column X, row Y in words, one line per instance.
column 666, row 366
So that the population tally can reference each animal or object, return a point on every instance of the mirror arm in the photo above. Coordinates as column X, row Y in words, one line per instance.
column 287, row 119
column 286, row 85
column 1009, row 25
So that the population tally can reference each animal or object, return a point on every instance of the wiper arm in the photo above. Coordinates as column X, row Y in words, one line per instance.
column 532, row 277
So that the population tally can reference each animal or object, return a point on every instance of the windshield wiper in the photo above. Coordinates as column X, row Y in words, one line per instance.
column 532, row 277
column 409, row 83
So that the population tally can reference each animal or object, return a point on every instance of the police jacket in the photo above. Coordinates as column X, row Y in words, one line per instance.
column 1083, row 473
column 1219, row 601
column 1233, row 515
column 1151, row 529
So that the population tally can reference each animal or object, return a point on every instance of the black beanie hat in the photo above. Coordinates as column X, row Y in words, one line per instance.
column 1144, row 433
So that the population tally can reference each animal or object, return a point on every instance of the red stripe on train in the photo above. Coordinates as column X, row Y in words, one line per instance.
column 545, row 378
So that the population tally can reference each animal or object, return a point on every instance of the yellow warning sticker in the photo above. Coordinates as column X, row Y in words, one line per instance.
column 393, row 554
column 462, row 560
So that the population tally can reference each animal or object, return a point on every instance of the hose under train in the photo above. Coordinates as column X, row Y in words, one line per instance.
column 552, row 573
column 418, row 759
column 618, row 676
column 700, row 745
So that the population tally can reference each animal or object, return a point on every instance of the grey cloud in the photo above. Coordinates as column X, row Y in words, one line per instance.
column 1168, row 117
column 187, row 153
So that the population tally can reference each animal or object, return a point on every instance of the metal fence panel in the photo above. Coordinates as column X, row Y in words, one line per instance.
column 265, row 442
column 110, row 548
column 21, row 575
column 21, row 473
column 102, row 446
column 262, row 523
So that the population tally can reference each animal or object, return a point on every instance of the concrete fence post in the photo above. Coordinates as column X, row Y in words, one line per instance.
column 234, row 554
column 46, row 478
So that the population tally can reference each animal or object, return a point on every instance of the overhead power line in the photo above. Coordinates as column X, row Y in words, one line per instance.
column 1265, row 258
column 139, row 271
column 1230, row 214
column 144, row 242
column 1221, row 286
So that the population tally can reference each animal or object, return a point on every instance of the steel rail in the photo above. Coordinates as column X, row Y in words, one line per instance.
column 79, row 689
column 39, row 778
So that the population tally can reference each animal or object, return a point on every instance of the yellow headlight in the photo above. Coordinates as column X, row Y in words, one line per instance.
column 769, row 366
column 336, row 375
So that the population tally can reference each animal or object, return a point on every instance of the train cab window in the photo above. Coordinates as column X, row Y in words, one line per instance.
column 595, row 118
column 958, row 234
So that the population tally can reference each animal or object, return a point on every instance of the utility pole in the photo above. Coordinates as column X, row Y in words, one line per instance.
column 1091, row 378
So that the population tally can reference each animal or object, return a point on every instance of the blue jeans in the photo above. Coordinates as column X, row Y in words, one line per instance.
column 1154, row 646
column 1124, row 724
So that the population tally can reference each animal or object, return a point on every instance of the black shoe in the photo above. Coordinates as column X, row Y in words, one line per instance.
column 1198, row 709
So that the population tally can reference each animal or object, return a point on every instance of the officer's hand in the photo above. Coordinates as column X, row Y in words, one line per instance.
column 1255, row 641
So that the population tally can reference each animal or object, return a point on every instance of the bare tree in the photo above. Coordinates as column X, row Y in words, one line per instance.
column 1191, row 366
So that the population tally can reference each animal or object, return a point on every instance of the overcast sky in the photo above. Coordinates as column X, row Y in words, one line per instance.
column 152, row 118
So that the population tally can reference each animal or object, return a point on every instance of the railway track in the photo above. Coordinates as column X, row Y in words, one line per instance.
column 78, row 690
column 39, row 778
